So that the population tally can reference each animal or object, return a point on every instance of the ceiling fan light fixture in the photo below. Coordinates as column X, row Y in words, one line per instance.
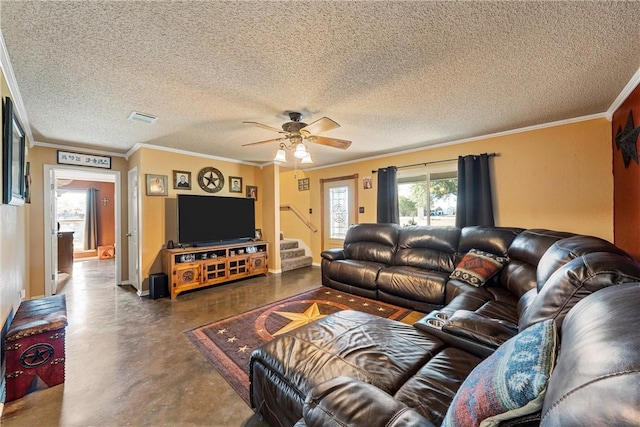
column 300, row 152
column 307, row 159
column 281, row 156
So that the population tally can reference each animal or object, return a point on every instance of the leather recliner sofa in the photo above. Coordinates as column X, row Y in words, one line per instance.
column 421, row 367
column 412, row 266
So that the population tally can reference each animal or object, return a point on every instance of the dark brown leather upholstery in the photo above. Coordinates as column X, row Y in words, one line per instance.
column 359, row 345
column 356, row 369
column 576, row 280
column 565, row 250
column 343, row 401
column 353, row 368
column 596, row 378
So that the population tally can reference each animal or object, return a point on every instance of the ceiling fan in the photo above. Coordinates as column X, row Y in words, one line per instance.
column 297, row 133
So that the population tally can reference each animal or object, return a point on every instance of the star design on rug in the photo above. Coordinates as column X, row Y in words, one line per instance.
column 299, row 319
column 222, row 331
column 365, row 304
column 243, row 349
column 626, row 141
column 232, row 339
column 327, row 292
column 380, row 308
column 339, row 296
column 352, row 300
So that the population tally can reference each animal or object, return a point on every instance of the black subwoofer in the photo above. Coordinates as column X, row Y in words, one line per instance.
column 158, row 286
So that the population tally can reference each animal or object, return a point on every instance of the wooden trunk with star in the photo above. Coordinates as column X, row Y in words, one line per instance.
column 35, row 345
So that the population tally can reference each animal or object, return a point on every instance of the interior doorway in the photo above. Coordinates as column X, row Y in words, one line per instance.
column 81, row 220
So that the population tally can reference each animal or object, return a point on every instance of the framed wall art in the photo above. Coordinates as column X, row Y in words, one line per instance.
column 156, row 185
column 252, row 191
column 182, row 180
column 367, row 183
column 303, row 184
column 13, row 157
column 235, row 184
column 80, row 159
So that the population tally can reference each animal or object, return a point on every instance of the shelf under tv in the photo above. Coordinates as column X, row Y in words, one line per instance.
column 201, row 266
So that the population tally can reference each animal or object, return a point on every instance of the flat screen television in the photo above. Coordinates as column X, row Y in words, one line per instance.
column 206, row 220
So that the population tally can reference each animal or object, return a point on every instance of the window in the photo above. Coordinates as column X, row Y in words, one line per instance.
column 428, row 195
column 70, row 214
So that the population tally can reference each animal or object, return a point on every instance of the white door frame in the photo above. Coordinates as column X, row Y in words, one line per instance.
column 49, row 192
column 133, row 218
column 323, row 218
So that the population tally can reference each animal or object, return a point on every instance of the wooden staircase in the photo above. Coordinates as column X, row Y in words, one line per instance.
column 292, row 257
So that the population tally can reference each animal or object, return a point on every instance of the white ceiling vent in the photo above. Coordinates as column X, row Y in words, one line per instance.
column 141, row 117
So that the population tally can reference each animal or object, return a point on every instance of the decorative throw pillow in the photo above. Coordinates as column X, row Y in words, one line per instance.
column 509, row 383
column 476, row 267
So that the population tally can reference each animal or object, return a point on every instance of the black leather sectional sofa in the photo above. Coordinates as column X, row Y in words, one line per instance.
column 351, row 368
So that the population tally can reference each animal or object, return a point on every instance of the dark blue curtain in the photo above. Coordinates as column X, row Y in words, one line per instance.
column 475, row 204
column 388, row 196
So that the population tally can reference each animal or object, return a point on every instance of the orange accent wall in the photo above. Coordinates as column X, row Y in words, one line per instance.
column 626, row 182
column 106, row 214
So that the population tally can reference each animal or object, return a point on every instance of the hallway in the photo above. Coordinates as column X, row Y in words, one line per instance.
column 128, row 362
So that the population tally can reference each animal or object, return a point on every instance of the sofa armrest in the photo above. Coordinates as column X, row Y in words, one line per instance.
column 346, row 401
column 333, row 254
column 479, row 328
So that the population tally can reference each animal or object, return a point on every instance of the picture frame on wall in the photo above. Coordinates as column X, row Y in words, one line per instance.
column 235, row 184
column 303, row 184
column 252, row 192
column 13, row 157
column 181, row 180
column 156, row 185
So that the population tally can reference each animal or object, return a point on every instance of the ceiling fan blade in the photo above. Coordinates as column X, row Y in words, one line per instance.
column 331, row 142
column 321, row 125
column 264, row 142
column 265, row 127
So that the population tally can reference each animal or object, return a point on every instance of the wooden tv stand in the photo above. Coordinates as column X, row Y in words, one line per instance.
column 193, row 268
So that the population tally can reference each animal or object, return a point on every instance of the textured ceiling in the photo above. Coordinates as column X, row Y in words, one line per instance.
column 395, row 75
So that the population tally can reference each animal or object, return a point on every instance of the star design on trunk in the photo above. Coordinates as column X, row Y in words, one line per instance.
column 299, row 319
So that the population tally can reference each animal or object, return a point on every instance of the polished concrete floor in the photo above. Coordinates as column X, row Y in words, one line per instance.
column 128, row 362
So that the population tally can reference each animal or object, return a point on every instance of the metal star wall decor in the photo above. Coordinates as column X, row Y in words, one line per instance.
column 626, row 141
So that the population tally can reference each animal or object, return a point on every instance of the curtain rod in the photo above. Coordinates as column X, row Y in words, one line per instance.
column 437, row 161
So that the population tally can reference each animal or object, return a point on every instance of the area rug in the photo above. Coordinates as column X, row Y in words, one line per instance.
column 228, row 343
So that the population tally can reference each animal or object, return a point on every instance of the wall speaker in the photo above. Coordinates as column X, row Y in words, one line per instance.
column 158, row 286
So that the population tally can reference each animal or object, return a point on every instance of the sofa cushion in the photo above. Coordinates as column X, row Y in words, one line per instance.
column 477, row 267
column 565, row 250
column 495, row 240
column 576, row 280
column 371, row 242
column 430, row 248
column 431, row 390
column 595, row 381
column 361, row 274
column 509, row 383
column 324, row 406
column 414, row 284
column 362, row 346
column 519, row 275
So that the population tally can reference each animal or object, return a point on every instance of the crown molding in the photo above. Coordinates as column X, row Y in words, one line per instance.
column 16, row 97
column 136, row 147
column 75, row 148
column 472, row 139
column 626, row 91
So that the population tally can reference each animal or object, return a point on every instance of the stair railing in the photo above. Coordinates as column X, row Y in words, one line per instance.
column 299, row 215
